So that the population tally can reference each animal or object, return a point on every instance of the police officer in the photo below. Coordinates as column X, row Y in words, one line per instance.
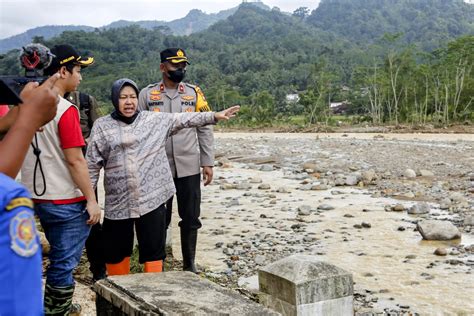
column 188, row 150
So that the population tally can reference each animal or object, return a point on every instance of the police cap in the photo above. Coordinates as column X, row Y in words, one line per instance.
column 174, row 55
column 65, row 54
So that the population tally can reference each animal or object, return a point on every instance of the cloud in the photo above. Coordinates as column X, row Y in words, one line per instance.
column 20, row 15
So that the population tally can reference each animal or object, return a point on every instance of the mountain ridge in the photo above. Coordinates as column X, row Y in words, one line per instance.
column 194, row 21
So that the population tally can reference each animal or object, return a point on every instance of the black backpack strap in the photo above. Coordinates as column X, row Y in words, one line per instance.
column 86, row 106
column 84, row 102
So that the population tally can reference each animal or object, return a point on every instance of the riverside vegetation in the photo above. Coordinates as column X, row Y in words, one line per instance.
column 391, row 62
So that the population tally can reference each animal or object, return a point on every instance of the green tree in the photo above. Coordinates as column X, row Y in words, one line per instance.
column 321, row 89
column 301, row 13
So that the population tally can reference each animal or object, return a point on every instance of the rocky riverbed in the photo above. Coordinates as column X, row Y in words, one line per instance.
column 358, row 201
column 353, row 200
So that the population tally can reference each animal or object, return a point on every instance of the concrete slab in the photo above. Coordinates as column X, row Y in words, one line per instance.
column 172, row 293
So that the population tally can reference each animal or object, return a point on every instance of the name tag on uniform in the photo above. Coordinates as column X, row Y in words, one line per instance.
column 188, row 103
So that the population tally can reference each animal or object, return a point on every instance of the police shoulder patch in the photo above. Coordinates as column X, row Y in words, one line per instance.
column 199, row 92
column 22, row 201
column 23, row 234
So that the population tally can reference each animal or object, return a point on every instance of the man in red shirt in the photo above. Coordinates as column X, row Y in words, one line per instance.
column 56, row 174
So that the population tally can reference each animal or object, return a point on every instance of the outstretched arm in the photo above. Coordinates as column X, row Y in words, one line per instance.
column 193, row 119
column 227, row 114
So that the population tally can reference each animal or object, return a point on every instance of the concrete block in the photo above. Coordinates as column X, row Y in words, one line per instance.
column 302, row 285
column 170, row 293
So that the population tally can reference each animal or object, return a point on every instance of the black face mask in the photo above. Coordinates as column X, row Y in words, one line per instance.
column 177, row 75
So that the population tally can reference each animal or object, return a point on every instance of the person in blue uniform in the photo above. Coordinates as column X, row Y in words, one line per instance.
column 20, row 250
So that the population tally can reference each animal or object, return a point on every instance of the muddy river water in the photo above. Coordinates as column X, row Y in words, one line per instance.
column 387, row 257
column 251, row 215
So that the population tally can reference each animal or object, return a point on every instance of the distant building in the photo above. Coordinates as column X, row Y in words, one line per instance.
column 292, row 98
column 339, row 107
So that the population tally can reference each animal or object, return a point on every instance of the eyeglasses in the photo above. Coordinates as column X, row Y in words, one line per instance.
column 125, row 97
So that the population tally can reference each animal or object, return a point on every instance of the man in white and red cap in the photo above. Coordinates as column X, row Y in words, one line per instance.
column 55, row 172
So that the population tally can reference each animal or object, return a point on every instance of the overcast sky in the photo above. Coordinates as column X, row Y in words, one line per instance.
column 17, row 16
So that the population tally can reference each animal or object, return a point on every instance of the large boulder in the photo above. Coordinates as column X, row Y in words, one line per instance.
column 419, row 208
column 438, row 230
column 469, row 220
column 409, row 174
column 369, row 176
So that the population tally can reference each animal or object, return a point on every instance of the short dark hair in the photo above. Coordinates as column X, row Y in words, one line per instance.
column 52, row 70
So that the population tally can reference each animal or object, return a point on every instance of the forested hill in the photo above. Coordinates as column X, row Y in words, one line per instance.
column 47, row 32
column 427, row 23
column 255, row 50
column 256, row 57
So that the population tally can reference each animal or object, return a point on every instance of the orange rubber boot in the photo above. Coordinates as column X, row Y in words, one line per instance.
column 121, row 268
column 154, row 266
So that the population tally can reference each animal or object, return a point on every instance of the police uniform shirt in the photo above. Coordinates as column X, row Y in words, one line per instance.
column 20, row 252
column 191, row 148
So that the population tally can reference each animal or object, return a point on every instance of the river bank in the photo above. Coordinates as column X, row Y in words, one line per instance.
column 344, row 198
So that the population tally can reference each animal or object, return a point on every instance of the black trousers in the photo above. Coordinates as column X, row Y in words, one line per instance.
column 151, row 235
column 188, row 195
column 95, row 247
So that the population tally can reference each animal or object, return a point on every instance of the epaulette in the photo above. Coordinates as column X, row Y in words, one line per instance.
column 20, row 201
column 152, row 85
column 201, row 102
column 196, row 89
column 191, row 85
